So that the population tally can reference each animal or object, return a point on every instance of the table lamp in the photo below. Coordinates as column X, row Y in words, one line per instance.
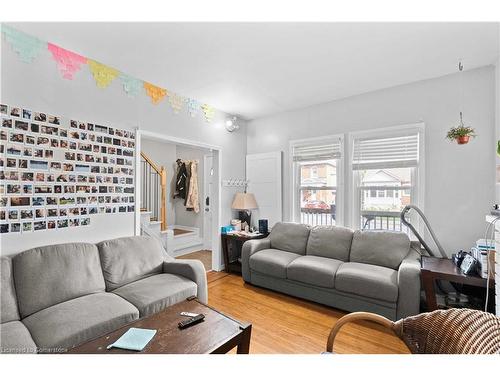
column 244, row 202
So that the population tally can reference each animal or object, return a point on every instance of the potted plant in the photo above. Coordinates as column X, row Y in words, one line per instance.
column 461, row 133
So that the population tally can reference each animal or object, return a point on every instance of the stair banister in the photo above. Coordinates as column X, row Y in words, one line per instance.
column 150, row 189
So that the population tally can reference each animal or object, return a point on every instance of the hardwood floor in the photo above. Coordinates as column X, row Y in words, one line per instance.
column 178, row 231
column 284, row 324
column 205, row 256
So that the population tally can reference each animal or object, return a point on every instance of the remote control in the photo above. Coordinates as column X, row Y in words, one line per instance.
column 189, row 322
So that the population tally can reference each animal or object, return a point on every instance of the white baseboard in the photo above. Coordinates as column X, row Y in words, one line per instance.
column 188, row 250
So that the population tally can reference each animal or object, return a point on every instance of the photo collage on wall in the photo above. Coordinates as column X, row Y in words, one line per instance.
column 57, row 173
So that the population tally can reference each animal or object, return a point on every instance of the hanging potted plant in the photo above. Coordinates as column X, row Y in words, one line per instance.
column 461, row 133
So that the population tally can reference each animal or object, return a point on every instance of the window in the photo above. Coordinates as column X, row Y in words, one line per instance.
column 317, row 176
column 314, row 171
column 387, row 165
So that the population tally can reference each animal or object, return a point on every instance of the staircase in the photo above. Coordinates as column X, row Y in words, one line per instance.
column 177, row 240
column 154, row 190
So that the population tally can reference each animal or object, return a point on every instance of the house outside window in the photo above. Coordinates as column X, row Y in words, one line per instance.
column 317, row 180
column 387, row 170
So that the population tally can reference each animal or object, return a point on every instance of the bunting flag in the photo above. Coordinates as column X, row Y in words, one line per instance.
column 193, row 106
column 131, row 85
column 176, row 101
column 208, row 111
column 68, row 62
column 103, row 74
column 27, row 47
column 154, row 92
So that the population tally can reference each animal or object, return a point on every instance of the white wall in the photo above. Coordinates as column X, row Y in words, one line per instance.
column 497, row 185
column 497, row 124
column 459, row 186
column 182, row 216
column 39, row 86
column 163, row 154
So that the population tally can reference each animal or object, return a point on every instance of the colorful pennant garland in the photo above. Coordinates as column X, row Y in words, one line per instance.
column 176, row 101
column 154, row 92
column 193, row 106
column 68, row 62
column 209, row 112
column 27, row 47
column 103, row 74
column 131, row 85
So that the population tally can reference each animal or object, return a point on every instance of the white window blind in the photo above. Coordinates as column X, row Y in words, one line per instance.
column 313, row 152
column 394, row 151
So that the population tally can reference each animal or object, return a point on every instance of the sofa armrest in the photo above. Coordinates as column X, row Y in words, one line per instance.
column 409, row 285
column 249, row 248
column 192, row 269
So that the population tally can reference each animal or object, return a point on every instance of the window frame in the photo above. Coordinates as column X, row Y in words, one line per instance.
column 295, row 176
column 417, row 175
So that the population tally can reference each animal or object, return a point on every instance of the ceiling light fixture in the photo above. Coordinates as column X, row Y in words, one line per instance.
column 232, row 124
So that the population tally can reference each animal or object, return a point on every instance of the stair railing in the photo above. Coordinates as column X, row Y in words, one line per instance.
column 154, row 190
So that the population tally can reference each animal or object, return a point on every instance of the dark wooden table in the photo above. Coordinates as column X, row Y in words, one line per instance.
column 445, row 269
column 217, row 334
column 231, row 250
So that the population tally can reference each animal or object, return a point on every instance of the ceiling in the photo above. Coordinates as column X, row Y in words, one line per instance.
column 258, row 69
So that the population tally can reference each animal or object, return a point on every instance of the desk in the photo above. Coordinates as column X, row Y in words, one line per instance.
column 444, row 269
column 231, row 250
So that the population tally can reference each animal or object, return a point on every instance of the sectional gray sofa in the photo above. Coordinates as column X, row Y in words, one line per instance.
column 355, row 271
column 56, row 297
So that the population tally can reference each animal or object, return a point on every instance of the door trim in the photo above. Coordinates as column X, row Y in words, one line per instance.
column 217, row 194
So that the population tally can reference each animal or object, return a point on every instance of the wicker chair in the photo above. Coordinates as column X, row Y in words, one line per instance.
column 453, row 331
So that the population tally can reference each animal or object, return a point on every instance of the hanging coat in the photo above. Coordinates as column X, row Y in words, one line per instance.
column 192, row 201
column 188, row 179
column 180, row 180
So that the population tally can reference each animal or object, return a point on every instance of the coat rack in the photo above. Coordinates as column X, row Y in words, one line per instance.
column 235, row 182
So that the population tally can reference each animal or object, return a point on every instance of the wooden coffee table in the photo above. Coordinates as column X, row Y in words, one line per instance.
column 217, row 334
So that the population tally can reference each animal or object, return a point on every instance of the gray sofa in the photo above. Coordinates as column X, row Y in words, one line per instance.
column 335, row 266
column 56, row 297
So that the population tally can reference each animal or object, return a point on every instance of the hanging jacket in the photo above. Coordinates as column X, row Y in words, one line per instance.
column 180, row 180
column 188, row 179
column 192, row 202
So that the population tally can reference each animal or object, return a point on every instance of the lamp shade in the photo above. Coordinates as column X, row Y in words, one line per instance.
column 244, row 201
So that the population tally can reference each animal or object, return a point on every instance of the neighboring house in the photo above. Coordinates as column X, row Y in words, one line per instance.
column 391, row 189
column 318, row 174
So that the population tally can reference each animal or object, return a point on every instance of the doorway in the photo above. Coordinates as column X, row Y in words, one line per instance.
column 188, row 234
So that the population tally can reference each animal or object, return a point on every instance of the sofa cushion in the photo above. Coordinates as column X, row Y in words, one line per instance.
column 368, row 281
column 154, row 293
column 8, row 306
column 16, row 339
column 128, row 259
column 49, row 275
column 330, row 242
column 313, row 270
column 75, row 321
column 290, row 237
column 272, row 262
column 386, row 249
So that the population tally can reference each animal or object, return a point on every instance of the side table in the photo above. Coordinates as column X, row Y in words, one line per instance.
column 231, row 250
column 444, row 269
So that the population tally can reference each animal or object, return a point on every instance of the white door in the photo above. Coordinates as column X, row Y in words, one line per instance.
column 264, row 181
column 208, row 177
